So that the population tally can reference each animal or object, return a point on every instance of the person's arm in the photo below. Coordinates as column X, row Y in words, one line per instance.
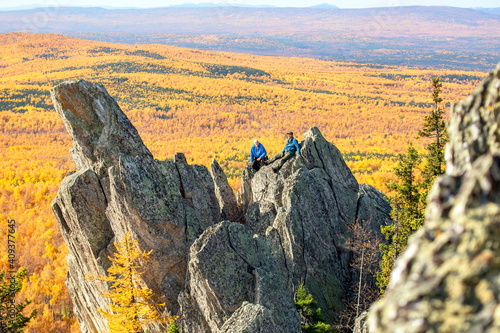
column 283, row 150
column 296, row 143
column 263, row 151
column 252, row 153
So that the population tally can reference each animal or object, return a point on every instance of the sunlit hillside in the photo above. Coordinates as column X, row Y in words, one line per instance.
column 205, row 104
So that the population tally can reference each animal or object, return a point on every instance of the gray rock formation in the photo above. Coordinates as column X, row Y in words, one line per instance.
column 218, row 276
column 298, row 218
column 237, row 285
column 119, row 187
column 303, row 212
column 87, row 232
column 227, row 201
column 448, row 278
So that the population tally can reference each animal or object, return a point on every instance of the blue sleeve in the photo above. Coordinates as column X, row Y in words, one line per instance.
column 263, row 153
column 252, row 154
column 296, row 143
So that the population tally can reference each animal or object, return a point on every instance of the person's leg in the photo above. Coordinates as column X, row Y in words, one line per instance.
column 256, row 165
column 274, row 158
column 282, row 161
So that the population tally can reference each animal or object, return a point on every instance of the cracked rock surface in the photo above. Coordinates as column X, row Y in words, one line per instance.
column 119, row 187
column 303, row 212
column 238, row 275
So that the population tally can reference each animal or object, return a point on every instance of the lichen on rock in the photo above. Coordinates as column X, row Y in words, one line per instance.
column 304, row 210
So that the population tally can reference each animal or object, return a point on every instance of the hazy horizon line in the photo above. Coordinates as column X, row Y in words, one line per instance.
column 211, row 4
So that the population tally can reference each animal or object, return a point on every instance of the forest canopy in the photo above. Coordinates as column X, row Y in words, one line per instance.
column 204, row 104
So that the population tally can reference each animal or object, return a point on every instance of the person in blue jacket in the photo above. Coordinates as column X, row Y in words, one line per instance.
column 291, row 149
column 258, row 155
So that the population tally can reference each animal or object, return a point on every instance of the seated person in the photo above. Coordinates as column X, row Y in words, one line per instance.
column 291, row 147
column 258, row 155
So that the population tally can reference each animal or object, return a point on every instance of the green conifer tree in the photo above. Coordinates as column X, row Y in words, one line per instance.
column 12, row 319
column 407, row 213
column 409, row 202
column 434, row 128
column 312, row 319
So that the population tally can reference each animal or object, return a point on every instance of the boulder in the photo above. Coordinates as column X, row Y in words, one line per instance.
column 237, row 285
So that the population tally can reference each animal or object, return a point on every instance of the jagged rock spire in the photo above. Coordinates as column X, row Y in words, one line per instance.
column 98, row 127
column 118, row 187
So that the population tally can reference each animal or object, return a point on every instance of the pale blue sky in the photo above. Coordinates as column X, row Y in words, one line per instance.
column 279, row 3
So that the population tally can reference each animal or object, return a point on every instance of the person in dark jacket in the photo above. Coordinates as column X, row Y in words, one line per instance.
column 291, row 149
column 258, row 155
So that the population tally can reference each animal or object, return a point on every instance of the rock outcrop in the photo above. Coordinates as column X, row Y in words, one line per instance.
column 236, row 284
column 448, row 278
column 227, row 201
column 295, row 226
column 303, row 211
column 120, row 187
column 231, row 276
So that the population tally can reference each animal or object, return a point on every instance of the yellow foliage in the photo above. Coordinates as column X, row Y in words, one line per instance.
column 131, row 305
column 180, row 104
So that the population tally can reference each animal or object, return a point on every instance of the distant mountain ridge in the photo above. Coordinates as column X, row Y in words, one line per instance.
column 495, row 11
column 184, row 5
column 398, row 21
column 415, row 35
column 324, row 5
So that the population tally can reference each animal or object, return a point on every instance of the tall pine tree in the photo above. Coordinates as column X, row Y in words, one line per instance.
column 434, row 128
column 407, row 213
column 409, row 202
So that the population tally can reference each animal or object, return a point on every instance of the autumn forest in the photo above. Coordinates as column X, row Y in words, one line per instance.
column 205, row 104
